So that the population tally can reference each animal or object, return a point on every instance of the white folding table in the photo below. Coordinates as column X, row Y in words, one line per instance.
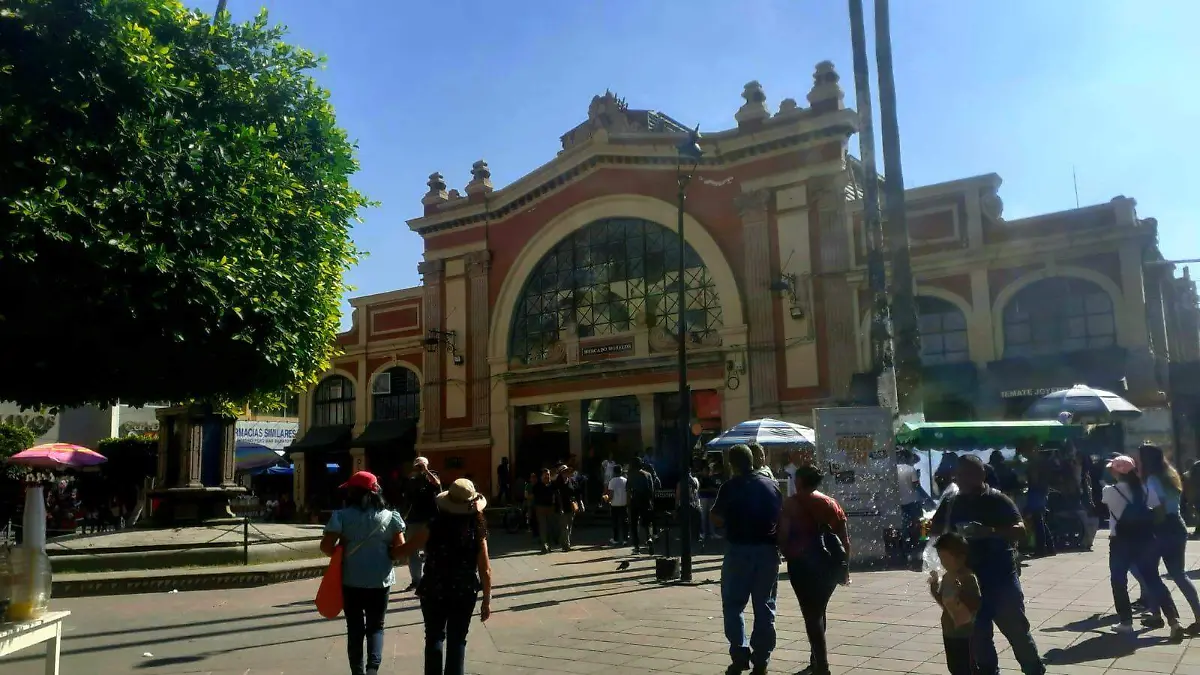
column 17, row 636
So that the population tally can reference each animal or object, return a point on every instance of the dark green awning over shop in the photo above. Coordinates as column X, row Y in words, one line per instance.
column 385, row 433
column 319, row 439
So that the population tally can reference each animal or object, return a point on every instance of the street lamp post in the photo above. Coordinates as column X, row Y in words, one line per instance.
column 689, row 151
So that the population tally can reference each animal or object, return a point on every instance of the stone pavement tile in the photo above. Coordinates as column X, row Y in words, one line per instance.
column 698, row 669
column 934, row 667
column 917, row 655
column 848, row 660
column 890, row 665
column 1187, row 669
column 857, row 650
column 1147, row 662
column 1074, row 669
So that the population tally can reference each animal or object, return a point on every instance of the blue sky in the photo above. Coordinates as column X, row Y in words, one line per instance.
column 1024, row 88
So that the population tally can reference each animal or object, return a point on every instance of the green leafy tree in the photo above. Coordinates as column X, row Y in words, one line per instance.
column 175, row 206
column 14, row 438
column 131, row 460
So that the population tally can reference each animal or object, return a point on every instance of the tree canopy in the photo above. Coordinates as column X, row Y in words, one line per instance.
column 175, row 206
column 14, row 438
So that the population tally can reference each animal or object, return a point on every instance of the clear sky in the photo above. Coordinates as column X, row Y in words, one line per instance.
column 1027, row 89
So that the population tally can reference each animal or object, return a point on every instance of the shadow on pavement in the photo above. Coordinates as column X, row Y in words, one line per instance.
column 1103, row 646
column 1092, row 623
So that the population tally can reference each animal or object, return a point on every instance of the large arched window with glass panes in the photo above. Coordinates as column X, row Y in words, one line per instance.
column 1058, row 315
column 606, row 277
column 333, row 402
column 396, row 395
column 943, row 332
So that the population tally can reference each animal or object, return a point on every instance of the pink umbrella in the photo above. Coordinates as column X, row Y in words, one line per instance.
column 58, row 456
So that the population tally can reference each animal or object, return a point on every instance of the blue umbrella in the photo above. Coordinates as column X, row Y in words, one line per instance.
column 766, row 432
column 250, row 456
column 289, row 470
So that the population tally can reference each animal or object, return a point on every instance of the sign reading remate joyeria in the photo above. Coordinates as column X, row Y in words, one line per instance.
column 611, row 349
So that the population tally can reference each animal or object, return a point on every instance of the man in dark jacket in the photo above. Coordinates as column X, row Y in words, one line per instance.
column 641, row 488
column 566, row 505
column 421, row 497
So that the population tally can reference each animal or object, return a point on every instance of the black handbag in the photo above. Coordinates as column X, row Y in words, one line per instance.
column 831, row 549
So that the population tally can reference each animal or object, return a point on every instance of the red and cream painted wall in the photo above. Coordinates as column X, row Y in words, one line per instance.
column 774, row 198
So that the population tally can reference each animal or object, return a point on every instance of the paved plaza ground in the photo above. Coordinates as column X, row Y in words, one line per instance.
column 577, row 613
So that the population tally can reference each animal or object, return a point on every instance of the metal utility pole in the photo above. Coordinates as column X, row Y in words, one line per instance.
column 881, row 330
column 907, row 337
column 689, row 150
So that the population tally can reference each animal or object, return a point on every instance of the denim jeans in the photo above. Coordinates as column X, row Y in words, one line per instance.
column 1172, row 537
column 364, row 609
column 1002, row 603
column 446, row 625
column 416, row 561
column 1140, row 554
column 750, row 573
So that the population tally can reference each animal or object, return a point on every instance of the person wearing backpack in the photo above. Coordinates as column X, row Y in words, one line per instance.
column 1132, row 546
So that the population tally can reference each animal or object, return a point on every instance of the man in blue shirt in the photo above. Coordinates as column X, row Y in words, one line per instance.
column 748, row 507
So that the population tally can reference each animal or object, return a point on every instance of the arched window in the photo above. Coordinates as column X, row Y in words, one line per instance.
column 943, row 331
column 396, row 395
column 333, row 402
column 602, row 277
column 1057, row 315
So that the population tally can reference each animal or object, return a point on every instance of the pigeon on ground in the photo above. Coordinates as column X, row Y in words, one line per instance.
column 623, row 566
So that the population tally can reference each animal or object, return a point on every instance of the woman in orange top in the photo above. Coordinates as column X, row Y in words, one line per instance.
column 814, row 573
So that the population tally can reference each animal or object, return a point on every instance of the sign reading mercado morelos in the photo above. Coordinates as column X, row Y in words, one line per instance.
column 274, row 435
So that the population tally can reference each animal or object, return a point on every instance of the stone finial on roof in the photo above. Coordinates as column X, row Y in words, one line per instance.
column 755, row 107
column 481, row 179
column 788, row 106
column 437, row 190
column 826, row 94
column 454, row 194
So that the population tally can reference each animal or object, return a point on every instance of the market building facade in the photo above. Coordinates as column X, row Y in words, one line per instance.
column 544, row 328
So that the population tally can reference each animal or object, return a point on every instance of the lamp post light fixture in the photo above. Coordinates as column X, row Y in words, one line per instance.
column 689, row 153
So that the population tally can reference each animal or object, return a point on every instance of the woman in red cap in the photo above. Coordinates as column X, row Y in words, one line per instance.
column 369, row 531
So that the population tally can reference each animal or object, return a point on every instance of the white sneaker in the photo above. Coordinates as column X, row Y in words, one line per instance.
column 1125, row 628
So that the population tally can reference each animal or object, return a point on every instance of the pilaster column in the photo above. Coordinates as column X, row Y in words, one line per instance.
column 760, row 302
column 433, row 273
column 577, row 427
column 981, row 335
column 1132, row 327
column 649, row 419
column 228, row 452
column 362, row 395
column 298, row 477
column 358, row 459
column 193, row 449
column 834, row 261
column 478, row 266
column 166, row 429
